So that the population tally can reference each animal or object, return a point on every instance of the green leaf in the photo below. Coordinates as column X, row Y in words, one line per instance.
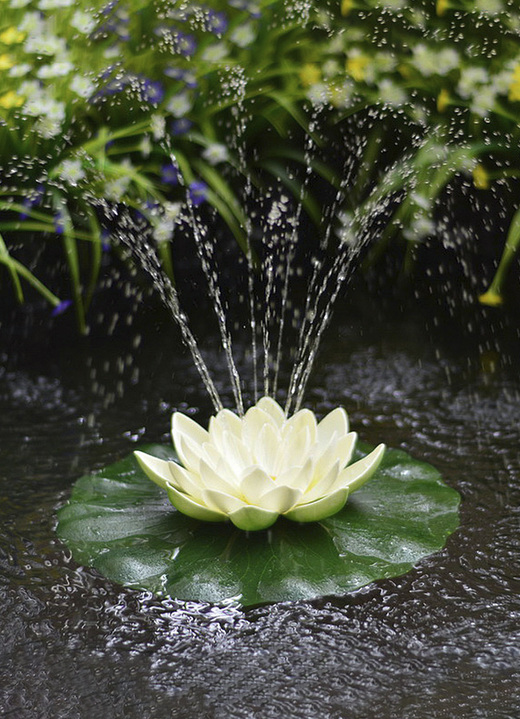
column 120, row 523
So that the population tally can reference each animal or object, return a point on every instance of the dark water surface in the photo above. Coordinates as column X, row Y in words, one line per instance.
column 441, row 641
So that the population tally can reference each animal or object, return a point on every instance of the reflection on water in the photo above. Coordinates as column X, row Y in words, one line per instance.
column 441, row 641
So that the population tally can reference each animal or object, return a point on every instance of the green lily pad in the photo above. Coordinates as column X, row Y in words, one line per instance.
column 123, row 525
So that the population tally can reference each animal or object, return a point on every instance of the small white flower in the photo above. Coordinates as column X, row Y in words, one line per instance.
column 163, row 231
column 145, row 146
column 484, row 101
column 54, row 4
column 55, row 69
column 115, row 189
column 471, row 79
column 71, row 172
column 83, row 22
column 318, row 94
column 19, row 3
column 45, row 45
column 179, row 105
column 489, row 7
column 172, row 210
column 250, row 470
column 47, row 127
column 430, row 61
column 243, row 35
column 391, row 94
column 20, row 70
column 215, row 53
column 158, row 126
column 216, row 153
column 82, row 86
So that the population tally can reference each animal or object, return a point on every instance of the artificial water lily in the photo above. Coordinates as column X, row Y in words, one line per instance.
column 250, row 470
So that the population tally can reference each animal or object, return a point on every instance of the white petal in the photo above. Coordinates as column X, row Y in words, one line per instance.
column 355, row 475
column 321, row 509
column 155, row 469
column 210, row 479
column 229, row 421
column 187, row 482
column 237, row 456
column 255, row 483
column 252, row 518
column 303, row 418
column 221, row 501
column 280, row 499
column 293, row 452
column 189, row 453
column 297, row 477
column 188, row 506
column 335, row 421
column 339, row 450
column 269, row 405
column 186, row 428
column 266, row 449
column 252, row 424
column 323, row 486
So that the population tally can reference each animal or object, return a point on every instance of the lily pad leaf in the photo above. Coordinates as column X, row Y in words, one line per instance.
column 123, row 525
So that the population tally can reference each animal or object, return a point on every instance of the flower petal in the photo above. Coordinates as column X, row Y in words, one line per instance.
column 229, row 422
column 294, row 450
column 186, row 428
column 355, row 475
column 321, row 509
column 255, row 483
column 297, row 477
column 269, row 405
column 155, row 469
column 280, row 499
column 339, row 450
column 189, row 453
column 266, row 449
column 188, row 506
column 252, row 424
column 251, row 518
column 302, row 419
column 335, row 421
column 323, row 486
column 221, row 501
column 210, row 479
column 187, row 482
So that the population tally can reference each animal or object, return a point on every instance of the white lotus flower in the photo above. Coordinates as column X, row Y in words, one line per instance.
column 250, row 470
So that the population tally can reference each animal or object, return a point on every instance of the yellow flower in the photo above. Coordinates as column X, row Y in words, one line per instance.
column 10, row 100
column 357, row 66
column 443, row 100
column 491, row 298
column 310, row 75
column 346, row 7
column 480, row 177
column 442, row 6
column 12, row 36
column 6, row 62
column 514, row 87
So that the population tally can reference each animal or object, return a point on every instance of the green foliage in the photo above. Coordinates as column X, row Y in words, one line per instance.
column 120, row 523
column 162, row 108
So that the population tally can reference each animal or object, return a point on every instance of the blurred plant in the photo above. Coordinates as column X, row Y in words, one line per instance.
column 162, row 108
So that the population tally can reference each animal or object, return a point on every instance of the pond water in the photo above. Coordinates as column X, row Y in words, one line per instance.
column 440, row 641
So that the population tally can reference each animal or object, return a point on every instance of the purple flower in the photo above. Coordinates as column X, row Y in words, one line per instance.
column 151, row 91
column 177, row 73
column 216, row 22
column 198, row 192
column 180, row 126
column 184, row 44
column 105, row 240
column 61, row 308
column 34, row 197
column 170, row 174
